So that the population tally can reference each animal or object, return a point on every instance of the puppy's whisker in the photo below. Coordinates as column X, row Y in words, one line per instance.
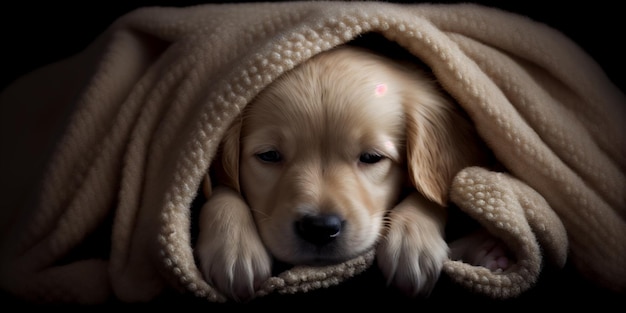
column 261, row 213
column 262, row 216
column 385, row 226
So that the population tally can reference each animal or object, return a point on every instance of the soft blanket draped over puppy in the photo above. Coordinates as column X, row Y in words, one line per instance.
column 114, row 142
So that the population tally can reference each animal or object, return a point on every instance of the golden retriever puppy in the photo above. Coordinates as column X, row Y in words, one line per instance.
column 346, row 152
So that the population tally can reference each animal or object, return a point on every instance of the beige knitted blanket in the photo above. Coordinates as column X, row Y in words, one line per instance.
column 138, row 116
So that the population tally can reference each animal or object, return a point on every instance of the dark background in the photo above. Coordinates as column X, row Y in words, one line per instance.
column 37, row 33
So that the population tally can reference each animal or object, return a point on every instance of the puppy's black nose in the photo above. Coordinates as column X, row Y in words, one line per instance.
column 319, row 229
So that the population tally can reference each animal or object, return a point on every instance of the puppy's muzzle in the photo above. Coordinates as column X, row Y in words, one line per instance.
column 319, row 229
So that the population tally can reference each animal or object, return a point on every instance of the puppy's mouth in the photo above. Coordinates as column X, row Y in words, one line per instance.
column 319, row 240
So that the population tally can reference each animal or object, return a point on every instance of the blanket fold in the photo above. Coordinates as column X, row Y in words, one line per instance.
column 116, row 140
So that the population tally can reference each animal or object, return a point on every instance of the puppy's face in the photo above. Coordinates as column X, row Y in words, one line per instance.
column 322, row 154
column 322, row 160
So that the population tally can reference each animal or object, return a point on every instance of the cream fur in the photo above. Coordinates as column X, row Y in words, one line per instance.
column 297, row 152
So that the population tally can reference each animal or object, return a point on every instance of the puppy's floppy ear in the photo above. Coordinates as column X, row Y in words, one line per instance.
column 440, row 141
column 225, row 167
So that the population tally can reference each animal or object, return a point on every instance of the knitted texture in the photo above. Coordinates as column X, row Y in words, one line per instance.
column 139, row 115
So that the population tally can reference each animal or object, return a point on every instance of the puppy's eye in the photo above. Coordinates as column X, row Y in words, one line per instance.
column 271, row 156
column 370, row 158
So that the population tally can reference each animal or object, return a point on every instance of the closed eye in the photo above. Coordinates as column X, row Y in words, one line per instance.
column 370, row 157
column 270, row 156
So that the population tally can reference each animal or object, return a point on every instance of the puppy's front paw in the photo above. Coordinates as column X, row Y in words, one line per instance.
column 413, row 251
column 481, row 249
column 230, row 252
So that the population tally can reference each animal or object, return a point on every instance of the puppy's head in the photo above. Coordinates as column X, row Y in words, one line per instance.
column 326, row 150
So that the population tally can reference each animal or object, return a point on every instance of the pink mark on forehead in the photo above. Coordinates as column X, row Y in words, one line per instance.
column 380, row 90
column 391, row 149
column 388, row 144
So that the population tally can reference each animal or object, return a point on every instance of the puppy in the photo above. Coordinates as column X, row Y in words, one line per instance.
column 346, row 152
